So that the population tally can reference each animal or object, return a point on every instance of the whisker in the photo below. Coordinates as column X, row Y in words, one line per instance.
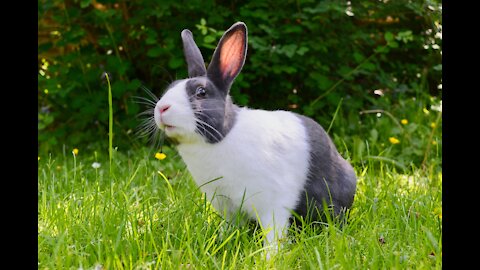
column 165, row 71
column 209, row 110
column 148, row 112
column 150, row 94
column 205, row 115
column 146, row 129
column 211, row 127
column 155, row 136
column 143, row 100
column 207, row 118
column 205, row 132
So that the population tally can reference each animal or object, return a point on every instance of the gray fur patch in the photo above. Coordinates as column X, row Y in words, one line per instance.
column 331, row 179
column 215, row 113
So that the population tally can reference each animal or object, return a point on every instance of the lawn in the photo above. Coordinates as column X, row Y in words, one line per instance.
column 148, row 214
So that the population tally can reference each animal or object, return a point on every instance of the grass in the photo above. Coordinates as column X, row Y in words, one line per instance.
column 150, row 215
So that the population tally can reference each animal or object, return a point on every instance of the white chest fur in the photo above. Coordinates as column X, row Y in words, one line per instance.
column 261, row 165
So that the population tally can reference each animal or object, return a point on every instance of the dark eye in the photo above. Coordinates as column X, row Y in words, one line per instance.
column 200, row 92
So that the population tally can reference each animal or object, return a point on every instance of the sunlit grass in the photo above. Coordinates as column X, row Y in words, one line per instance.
column 150, row 215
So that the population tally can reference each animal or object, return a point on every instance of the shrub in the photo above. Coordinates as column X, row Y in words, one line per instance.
column 306, row 56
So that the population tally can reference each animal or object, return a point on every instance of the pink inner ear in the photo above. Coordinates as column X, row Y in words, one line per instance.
column 231, row 55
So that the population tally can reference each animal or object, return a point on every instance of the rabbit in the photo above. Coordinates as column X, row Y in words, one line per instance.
column 265, row 164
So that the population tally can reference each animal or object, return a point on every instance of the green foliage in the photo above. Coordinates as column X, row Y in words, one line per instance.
column 304, row 56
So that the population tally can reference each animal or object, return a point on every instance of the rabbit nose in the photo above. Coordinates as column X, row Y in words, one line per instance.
column 163, row 108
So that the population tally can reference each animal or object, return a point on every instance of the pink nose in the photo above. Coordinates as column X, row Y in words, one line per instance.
column 164, row 108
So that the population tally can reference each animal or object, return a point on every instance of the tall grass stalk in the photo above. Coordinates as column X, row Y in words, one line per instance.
column 110, row 123
column 335, row 115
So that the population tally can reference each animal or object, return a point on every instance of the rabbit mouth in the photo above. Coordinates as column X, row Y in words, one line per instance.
column 168, row 127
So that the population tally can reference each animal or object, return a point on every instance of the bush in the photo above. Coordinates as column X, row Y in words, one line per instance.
column 305, row 56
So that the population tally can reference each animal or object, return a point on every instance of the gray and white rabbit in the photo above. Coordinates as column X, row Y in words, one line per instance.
column 268, row 163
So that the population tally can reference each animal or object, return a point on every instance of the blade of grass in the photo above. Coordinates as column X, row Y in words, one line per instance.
column 342, row 79
column 170, row 189
column 387, row 113
column 236, row 232
column 335, row 115
column 389, row 160
column 110, row 122
column 430, row 138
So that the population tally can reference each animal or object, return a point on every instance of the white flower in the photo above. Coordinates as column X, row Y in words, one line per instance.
column 437, row 107
column 96, row 165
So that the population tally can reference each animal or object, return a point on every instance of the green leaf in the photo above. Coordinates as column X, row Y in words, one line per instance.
column 405, row 36
column 437, row 67
column 151, row 40
column 358, row 57
column 134, row 84
column 175, row 62
column 393, row 44
column 85, row 3
column 289, row 50
column 302, row 50
column 118, row 88
column 369, row 66
column 308, row 110
column 289, row 69
column 388, row 36
column 154, row 52
column 345, row 71
column 105, row 41
column 209, row 39
column 323, row 82
column 259, row 44
column 382, row 49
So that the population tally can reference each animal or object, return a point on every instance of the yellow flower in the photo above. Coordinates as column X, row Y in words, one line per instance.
column 160, row 156
column 75, row 151
column 433, row 125
column 394, row 140
column 38, row 158
column 404, row 121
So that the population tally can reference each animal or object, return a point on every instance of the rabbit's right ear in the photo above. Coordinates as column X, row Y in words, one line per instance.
column 196, row 65
column 229, row 56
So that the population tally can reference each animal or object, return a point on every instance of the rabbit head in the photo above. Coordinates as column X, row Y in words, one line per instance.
column 200, row 108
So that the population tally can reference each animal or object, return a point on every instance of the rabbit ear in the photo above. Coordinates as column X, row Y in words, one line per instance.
column 229, row 56
column 196, row 65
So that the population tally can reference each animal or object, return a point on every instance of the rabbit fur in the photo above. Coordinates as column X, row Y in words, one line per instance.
column 266, row 164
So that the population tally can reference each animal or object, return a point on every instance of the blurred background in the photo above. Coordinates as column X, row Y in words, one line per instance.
column 369, row 71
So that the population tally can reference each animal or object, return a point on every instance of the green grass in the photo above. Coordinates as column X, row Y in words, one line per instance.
column 137, row 219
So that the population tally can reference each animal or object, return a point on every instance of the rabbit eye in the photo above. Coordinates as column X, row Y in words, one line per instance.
column 200, row 92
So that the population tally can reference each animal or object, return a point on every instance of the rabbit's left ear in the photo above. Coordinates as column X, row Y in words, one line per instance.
column 229, row 56
column 196, row 65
